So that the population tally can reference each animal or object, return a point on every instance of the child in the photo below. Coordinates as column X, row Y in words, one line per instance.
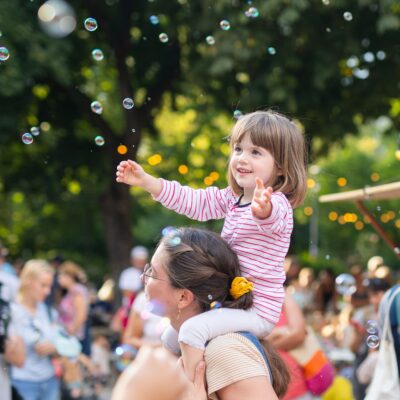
column 267, row 178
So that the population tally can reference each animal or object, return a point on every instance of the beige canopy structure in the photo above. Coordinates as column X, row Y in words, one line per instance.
column 381, row 192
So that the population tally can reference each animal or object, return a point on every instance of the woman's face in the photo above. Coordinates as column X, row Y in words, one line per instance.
column 65, row 281
column 159, row 292
column 40, row 287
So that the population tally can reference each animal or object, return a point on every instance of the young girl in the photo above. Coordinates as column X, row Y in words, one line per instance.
column 267, row 178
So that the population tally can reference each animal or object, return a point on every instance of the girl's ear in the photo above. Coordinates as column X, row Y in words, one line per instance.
column 186, row 298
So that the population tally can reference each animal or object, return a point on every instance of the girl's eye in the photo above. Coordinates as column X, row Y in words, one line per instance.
column 237, row 149
column 256, row 152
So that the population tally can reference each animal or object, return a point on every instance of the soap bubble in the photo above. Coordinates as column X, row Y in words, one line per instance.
column 252, row 12
column 215, row 305
column 171, row 236
column 348, row 16
column 128, row 103
column 124, row 355
column 57, row 18
column 372, row 341
column 35, row 131
column 225, row 25
column 99, row 140
column 271, row 50
column 237, row 114
column 154, row 19
column 90, row 24
column 4, row 54
column 372, row 327
column 210, row 40
column 27, row 138
column 97, row 55
column 96, row 107
column 163, row 37
column 345, row 284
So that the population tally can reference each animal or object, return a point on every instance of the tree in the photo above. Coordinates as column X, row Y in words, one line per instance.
column 308, row 58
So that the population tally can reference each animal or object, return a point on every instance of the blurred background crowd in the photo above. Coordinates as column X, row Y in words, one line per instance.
column 57, row 327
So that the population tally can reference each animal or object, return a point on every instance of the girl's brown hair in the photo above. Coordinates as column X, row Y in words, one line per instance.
column 74, row 271
column 202, row 262
column 283, row 139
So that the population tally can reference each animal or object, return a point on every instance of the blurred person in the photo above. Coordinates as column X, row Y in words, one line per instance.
column 358, row 344
column 5, row 266
column 143, row 327
column 56, row 294
column 289, row 333
column 360, row 297
column 36, row 378
column 9, row 280
column 325, row 292
column 292, row 269
column 130, row 284
column 303, row 290
column 372, row 265
column 74, row 306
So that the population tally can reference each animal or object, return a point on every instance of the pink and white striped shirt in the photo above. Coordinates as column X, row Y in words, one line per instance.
column 261, row 245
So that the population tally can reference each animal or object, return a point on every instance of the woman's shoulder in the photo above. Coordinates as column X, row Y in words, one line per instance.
column 230, row 358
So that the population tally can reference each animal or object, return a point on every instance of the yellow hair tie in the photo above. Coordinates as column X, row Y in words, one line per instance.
column 240, row 286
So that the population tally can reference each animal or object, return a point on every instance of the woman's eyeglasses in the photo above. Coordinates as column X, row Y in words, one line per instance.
column 148, row 273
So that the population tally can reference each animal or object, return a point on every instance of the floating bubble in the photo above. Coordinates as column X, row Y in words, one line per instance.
column 128, row 103
column 162, row 325
column 225, row 25
column 124, row 355
column 369, row 57
column 378, row 208
column 326, row 2
column 348, row 16
column 372, row 327
column 327, row 257
column 122, row 149
column 35, row 131
column 99, row 140
column 4, row 54
column 97, row 55
column 215, row 305
column 163, row 37
column 252, row 12
column 27, row 138
column 365, row 42
column 133, row 130
column 154, row 20
column 345, row 284
column 271, row 50
column 352, row 61
column 237, row 114
column 96, row 107
column 156, row 308
column 57, row 18
column 372, row 341
column 361, row 73
column 169, row 230
column 209, row 297
column 381, row 55
column 171, row 236
column 210, row 40
column 90, row 24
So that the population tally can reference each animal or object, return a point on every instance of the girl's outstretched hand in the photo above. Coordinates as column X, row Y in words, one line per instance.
column 261, row 206
column 131, row 173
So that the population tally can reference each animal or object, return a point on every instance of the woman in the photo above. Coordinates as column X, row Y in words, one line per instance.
column 191, row 272
column 35, row 379
column 74, row 305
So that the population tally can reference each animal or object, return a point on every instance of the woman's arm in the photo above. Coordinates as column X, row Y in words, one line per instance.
column 81, row 311
column 296, row 332
column 256, row 388
column 15, row 351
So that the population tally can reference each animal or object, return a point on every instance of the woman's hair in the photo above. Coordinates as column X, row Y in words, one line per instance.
column 202, row 262
column 283, row 139
column 32, row 271
column 279, row 371
column 73, row 270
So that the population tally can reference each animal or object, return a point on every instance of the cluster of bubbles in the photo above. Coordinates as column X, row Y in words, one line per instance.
column 252, row 12
column 345, row 284
column 128, row 103
column 57, row 18
column 124, row 355
column 4, row 54
column 171, row 235
column 27, row 137
column 96, row 107
column 372, row 329
column 225, row 25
